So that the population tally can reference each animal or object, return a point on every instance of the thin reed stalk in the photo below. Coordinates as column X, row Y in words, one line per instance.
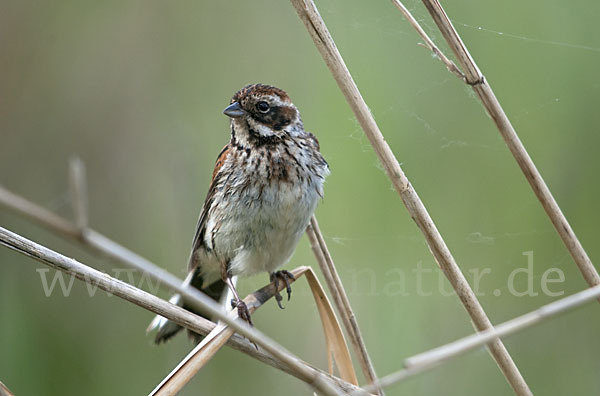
column 414, row 365
column 90, row 238
column 474, row 77
column 428, row 360
column 93, row 240
column 337, row 349
column 4, row 391
column 340, row 299
column 105, row 282
column 318, row 31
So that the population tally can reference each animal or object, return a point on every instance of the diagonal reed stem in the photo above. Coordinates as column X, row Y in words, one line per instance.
column 103, row 245
column 475, row 78
column 89, row 238
column 340, row 299
column 212, row 343
column 315, row 378
column 318, row 31
column 428, row 360
column 4, row 391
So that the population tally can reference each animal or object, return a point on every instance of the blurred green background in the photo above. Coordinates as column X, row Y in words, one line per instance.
column 136, row 89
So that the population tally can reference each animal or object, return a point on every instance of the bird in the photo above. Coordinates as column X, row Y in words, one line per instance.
column 265, row 187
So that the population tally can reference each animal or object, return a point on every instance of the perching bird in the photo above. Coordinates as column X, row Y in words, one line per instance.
column 265, row 187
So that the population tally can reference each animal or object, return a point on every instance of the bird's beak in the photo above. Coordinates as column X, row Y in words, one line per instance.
column 234, row 110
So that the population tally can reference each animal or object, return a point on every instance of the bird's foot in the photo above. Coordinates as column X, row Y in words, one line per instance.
column 285, row 276
column 243, row 312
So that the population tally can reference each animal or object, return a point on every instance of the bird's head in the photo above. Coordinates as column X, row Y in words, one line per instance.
column 261, row 112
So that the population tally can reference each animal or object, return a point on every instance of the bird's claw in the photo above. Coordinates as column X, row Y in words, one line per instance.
column 243, row 312
column 286, row 276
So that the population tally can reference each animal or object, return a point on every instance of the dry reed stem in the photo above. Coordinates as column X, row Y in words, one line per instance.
column 117, row 253
column 94, row 241
column 337, row 348
column 40, row 215
column 210, row 345
column 4, row 391
column 340, row 299
column 429, row 44
column 317, row 29
column 475, row 78
column 199, row 355
column 427, row 360
column 105, row 282
column 194, row 361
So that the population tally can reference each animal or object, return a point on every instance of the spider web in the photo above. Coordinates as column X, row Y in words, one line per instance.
column 391, row 26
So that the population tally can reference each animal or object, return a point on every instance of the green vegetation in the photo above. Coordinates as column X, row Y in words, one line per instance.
column 136, row 89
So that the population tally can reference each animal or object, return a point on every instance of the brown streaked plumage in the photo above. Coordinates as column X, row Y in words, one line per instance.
column 265, row 186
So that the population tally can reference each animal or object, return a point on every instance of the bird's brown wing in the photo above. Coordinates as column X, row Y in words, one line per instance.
column 216, row 288
column 198, row 242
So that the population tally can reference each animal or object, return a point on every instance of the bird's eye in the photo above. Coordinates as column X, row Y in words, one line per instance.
column 263, row 107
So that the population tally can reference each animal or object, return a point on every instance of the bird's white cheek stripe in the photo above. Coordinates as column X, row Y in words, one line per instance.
column 261, row 129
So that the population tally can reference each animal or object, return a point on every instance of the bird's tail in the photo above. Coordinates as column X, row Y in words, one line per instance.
column 165, row 329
